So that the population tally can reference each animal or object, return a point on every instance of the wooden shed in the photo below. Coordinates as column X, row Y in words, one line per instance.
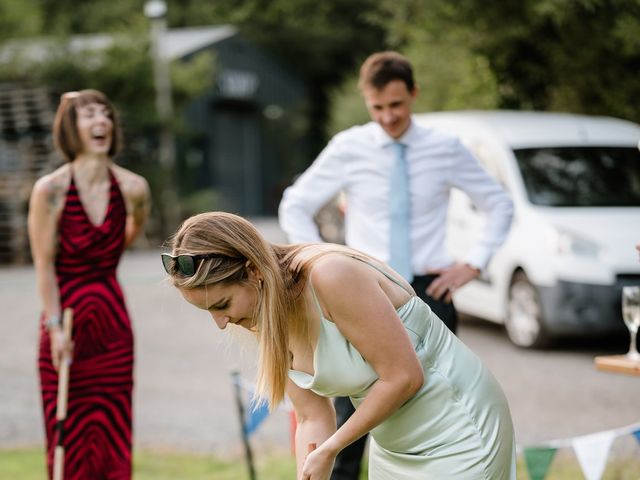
column 247, row 133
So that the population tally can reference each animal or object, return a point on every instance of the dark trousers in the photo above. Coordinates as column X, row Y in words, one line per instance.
column 348, row 461
column 445, row 311
column 347, row 466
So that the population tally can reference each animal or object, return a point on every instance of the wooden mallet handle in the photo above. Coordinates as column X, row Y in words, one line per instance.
column 63, row 394
column 63, row 372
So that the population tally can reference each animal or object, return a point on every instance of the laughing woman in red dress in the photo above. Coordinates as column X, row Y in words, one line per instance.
column 81, row 218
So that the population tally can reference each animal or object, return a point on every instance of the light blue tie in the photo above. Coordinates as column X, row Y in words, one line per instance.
column 400, row 215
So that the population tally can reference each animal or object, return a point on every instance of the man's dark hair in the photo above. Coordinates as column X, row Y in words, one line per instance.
column 381, row 68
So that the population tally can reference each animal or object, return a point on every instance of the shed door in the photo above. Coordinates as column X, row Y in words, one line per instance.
column 237, row 160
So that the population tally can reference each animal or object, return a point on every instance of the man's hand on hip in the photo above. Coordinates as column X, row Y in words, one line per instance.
column 450, row 279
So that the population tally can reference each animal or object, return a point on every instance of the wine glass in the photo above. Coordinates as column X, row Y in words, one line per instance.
column 631, row 316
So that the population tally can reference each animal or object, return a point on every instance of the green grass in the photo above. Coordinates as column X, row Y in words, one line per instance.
column 28, row 464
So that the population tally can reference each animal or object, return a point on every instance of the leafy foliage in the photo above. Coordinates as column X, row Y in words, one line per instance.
column 449, row 74
column 19, row 18
column 558, row 55
column 577, row 55
column 65, row 17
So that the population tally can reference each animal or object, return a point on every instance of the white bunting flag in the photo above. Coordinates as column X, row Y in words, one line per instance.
column 592, row 452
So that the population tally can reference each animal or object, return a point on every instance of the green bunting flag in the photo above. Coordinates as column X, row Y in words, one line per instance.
column 538, row 460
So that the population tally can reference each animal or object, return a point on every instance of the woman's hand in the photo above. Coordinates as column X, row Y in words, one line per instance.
column 61, row 346
column 318, row 464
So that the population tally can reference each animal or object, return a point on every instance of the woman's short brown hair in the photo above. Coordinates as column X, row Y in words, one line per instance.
column 65, row 129
column 382, row 68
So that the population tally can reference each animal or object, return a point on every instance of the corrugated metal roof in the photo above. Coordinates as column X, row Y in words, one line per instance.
column 177, row 43
column 180, row 42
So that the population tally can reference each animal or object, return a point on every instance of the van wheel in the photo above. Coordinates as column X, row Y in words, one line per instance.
column 524, row 314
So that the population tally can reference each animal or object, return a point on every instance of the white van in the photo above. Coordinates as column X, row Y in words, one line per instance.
column 575, row 184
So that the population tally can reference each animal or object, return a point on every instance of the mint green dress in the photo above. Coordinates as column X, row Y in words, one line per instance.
column 458, row 425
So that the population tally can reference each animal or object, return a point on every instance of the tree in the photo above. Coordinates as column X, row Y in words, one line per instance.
column 70, row 17
column 577, row 56
column 19, row 19
column 448, row 73
column 556, row 55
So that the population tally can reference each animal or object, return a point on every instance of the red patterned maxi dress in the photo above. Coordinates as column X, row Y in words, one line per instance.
column 97, row 431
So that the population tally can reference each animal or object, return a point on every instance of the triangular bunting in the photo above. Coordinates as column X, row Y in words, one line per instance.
column 637, row 435
column 592, row 452
column 256, row 412
column 538, row 460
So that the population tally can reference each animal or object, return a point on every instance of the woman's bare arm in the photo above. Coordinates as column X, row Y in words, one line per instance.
column 316, row 421
column 45, row 206
column 138, row 199
column 354, row 299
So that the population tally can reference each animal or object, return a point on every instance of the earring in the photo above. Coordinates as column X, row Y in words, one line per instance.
column 260, row 282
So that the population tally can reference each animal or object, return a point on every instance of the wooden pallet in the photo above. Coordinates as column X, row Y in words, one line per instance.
column 26, row 153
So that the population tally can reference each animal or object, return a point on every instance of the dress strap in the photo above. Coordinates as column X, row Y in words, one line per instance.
column 315, row 299
column 372, row 265
column 385, row 273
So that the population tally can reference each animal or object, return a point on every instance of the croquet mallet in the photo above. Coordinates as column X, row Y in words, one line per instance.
column 63, row 393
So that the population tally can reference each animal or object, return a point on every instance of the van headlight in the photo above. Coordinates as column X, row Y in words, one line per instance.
column 574, row 244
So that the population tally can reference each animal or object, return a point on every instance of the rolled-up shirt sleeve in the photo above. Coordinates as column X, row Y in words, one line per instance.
column 487, row 195
column 310, row 192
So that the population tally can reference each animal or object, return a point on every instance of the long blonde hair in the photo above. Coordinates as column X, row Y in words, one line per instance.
column 278, row 313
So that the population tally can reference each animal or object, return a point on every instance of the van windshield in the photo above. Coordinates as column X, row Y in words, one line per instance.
column 581, row 176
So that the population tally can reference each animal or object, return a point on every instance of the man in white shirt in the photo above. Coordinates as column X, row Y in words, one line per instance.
column 359, row 162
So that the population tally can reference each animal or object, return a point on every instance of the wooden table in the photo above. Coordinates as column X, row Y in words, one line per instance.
column 618, row 363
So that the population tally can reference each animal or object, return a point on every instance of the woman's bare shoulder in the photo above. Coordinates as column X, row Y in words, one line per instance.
column 131, row 183
column 335, row 269
column 55, row 183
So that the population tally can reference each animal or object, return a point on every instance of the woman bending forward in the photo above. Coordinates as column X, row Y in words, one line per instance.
column 331, row 321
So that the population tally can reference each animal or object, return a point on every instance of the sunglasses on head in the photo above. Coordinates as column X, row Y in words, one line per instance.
column 185, row 264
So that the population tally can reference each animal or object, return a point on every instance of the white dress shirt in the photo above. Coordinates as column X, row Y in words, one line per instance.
column 358, row 161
